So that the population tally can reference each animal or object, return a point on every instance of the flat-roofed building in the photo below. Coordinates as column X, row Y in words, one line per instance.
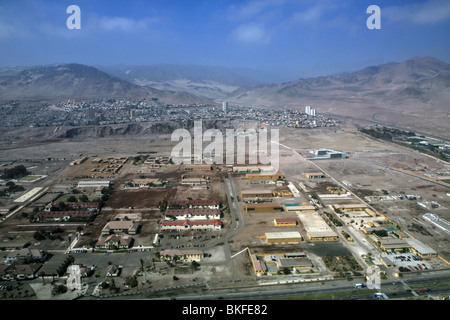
column 296, row 263
column 264, row 176
column 315, row 175
column 393, row 245
column 283, row 237
column 245, row 169
column 285, row 222
column 420, row 248
column 256, row 193
column 292, row 207
column 262, row 207
column 194, row 181
column 316, row 228
column 94, row 184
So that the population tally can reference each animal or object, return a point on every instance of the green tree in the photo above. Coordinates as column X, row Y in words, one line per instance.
column 72, row 199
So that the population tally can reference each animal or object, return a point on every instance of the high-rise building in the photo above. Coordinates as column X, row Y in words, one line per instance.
column 310, row 111
column 225, row 106
column 307, row 110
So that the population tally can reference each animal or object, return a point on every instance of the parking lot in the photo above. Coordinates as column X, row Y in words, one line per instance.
column 183, row 240
column 409, row 261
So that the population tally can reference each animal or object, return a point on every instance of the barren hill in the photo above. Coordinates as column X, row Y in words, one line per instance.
column 69, row 81
column 413, row 93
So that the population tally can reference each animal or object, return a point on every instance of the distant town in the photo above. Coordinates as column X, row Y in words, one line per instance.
column 118, row 111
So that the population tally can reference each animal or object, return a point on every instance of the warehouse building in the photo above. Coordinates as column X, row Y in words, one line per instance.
column 315, row 175
column 283, row 237
column 255, row 193
column 294, row 263
column 285, row 222
column 260, row 176
column 262, row 207
column 194, row 181
column 317, row 229
column 294, row 207
column 394, row 245
column 93, row 184
column 420, row 248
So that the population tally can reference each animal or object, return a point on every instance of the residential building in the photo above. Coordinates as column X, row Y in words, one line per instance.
column 121, row 227
column 114, row 242
column 198, row 204
column 192, row 214
column 208, row 225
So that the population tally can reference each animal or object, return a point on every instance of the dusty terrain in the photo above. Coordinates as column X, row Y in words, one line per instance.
column 366, row 172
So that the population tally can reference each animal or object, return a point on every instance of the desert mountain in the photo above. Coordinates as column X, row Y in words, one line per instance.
column 204, row 81
column 416, row 91
column 77, row 81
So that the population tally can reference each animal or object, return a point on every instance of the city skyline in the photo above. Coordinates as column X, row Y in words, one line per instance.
column 293, row 38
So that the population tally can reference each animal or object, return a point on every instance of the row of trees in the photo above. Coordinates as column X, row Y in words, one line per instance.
column 15, row 173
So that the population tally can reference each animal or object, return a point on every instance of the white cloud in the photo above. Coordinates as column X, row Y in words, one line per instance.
column 251, row 34
column 124, row 24
column 432, row 11
column 252, row 8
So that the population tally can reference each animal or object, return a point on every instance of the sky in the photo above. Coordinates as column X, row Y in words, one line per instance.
column 294, row 38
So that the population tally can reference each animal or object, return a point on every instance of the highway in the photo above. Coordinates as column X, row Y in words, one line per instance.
column 330, row 289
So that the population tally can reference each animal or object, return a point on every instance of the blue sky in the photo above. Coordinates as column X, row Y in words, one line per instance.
column 297, row 38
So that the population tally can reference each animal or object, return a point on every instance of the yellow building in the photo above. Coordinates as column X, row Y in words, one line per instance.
column 258, row 176
column 256, row 194
column 283, row 237
column 292, row 207
column 315, row 175
column 285, row 222
column 258, row 266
